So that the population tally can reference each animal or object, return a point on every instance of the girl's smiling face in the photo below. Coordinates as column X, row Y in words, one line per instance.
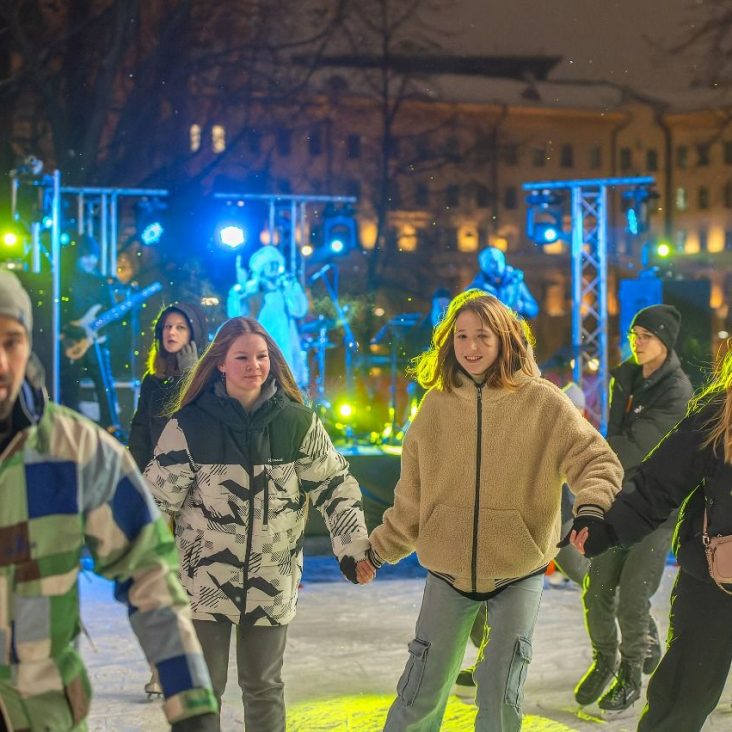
column 476, row 345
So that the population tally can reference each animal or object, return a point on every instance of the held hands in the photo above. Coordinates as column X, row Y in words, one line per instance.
column 590, row 536
column 187, row 357
column 360, row 573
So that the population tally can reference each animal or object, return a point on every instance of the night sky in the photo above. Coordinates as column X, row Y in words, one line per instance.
column 599, row 39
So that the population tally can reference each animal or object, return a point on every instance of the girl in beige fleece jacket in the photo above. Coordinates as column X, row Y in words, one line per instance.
column 479, row 499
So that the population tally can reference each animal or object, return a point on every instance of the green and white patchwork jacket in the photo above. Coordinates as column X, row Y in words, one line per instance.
column 66, row 484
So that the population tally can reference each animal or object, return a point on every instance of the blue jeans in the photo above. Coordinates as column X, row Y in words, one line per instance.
column 435, row 654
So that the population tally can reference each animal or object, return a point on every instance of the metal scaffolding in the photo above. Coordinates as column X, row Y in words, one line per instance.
column 97, row 214
column 589, row 283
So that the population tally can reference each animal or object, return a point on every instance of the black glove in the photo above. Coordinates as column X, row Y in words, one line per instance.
column 187, row 357
column 348, row 567
column 601, row 536
column 201, row 723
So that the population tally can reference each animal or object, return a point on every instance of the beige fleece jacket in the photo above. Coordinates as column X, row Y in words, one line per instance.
column 507, row 526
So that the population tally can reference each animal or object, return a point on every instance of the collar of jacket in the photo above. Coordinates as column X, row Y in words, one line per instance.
column 625, row 373
column 216, row 402
column 466, row 389
column 32, row 398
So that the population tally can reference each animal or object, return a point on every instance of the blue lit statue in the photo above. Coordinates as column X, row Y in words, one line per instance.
column 276, row 299
column 505, row 282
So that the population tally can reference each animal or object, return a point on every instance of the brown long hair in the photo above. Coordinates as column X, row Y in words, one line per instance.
column 206, row 370
column 720, row 424
column 438, row 367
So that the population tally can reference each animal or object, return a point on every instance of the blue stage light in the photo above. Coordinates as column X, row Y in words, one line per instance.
column 232, row 236
column 337, row 246
column 152, row 233
column 632, row 222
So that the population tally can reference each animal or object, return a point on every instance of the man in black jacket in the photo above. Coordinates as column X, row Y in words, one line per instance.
column 649, row 395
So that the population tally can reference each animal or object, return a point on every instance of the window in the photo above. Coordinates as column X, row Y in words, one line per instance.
column 353, row 147
column 510, row 198
column 315, row 142
column 727, row 194
column 538, row 157
column 682, row 156
column 482, row 196
column 509, row 153
column 626, row 158
column 703, row 198
column 703, row 240
column 195, row 136
column 595, row 157
column 728, row 152
column 452, row 195
column 421, row 195
column 218, row 138
column 254, row 141
column 728, row 239
column 353, row 188
column 566, row 156
column 284, row 143
column 702, row 154
column 682, row 202
column 652, row 160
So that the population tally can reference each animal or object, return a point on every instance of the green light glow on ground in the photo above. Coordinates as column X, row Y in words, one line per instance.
column 367, row 713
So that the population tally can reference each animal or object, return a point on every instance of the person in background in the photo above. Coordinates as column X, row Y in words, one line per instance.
column 179, row 329
column 181, row 334
column 479, row 499
column 274, row 297
column 235, row 467
column 505, row 282
column 649, row 394
column 68, row 485
column 690, row 469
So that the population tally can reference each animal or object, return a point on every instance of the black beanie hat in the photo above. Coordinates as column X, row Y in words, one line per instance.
column 664, row 321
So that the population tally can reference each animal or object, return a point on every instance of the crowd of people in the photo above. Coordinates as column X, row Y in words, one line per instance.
column 200, row 523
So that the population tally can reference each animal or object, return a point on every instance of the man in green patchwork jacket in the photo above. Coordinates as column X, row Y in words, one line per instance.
column 66, row 484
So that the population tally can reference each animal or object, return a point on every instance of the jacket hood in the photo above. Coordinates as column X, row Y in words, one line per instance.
column 32, row 398
column 195, row 317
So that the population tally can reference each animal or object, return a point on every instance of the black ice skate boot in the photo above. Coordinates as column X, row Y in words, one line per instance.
column 598, row 676
column 653, row 650
column 626, row 688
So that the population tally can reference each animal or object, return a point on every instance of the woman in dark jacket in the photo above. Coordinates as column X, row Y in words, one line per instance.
column 181, row 333
column 235, row 468
column 691, row 468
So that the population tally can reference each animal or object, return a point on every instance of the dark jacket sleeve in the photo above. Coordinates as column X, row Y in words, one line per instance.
column 140, row 440
column 631, row 445
column 669, row 474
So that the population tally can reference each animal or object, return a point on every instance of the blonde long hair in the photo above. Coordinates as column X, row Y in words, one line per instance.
column 720, row 423
column 206, row 370
column 438, row 367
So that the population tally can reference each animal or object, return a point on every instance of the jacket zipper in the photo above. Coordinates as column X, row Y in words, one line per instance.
column 476, row 506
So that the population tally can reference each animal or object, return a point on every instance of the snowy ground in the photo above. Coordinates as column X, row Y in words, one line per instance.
column 346, row 650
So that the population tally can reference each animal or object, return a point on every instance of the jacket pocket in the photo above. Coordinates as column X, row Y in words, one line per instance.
column 443, row 544
column 506, row 547
column 520, row 661
column 411, row 679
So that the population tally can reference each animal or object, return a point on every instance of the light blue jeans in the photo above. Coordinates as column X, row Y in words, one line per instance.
column 435, row 655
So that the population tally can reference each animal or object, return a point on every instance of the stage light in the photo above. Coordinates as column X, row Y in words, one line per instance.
column 544, row 215
column 337, row 246
column 152, row 233
column 10, row 239
column 663, row 249
column 232, row 236
column 638, row 209
column 345, row 410
column 339, row 230
column 306, row 250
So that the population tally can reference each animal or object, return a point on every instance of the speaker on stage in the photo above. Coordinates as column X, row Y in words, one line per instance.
column 691, row 299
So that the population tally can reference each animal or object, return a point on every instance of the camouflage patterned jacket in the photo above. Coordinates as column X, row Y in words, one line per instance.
column 64, row 484
column 237, row 484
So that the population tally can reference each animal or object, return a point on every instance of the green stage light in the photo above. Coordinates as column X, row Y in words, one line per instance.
column 663, row 249
column 345, row 410
column 10, row 239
